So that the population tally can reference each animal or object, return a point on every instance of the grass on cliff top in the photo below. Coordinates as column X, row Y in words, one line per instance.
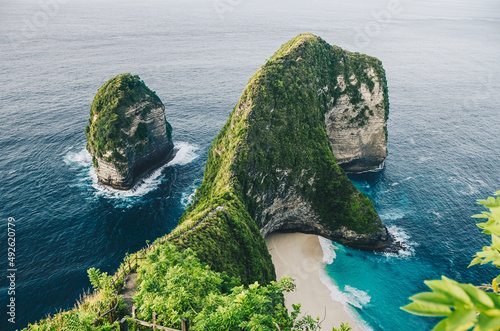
column 175, row 284
column 110, row 103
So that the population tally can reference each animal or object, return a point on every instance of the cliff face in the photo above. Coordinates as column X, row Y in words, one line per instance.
column 128, row 135
column 357, row 129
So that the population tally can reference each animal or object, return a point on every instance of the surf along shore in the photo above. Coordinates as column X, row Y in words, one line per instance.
column 300, row 256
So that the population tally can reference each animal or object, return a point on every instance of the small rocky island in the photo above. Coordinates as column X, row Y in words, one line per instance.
column 128, row 135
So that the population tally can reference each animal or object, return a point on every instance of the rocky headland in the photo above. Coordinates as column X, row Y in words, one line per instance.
column 128, row 135
column 274, row 165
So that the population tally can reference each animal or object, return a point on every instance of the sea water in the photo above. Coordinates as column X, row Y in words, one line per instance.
column 441, row 60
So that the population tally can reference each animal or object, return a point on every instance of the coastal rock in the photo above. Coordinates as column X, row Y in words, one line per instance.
column 287, row 211
column 128, row 135
column 357, row 128
column 301, row 117
column 271, row 168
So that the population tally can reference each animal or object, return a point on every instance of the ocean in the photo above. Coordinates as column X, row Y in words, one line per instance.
column 442, row 66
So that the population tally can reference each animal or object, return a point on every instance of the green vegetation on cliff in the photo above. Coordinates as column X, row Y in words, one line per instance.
column 107, row 114
column 177, row 285
column 278, row 125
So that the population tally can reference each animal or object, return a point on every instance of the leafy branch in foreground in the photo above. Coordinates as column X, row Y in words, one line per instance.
column 175, row 284
column 466, row 306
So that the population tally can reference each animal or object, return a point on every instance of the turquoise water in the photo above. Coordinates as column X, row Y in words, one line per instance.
column 425, row 194
column 441, row 59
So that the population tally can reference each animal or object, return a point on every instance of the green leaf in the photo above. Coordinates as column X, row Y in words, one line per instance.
column 450, row 288
column 461, row 320
column 495, row 240
column 489, row 255
column 479, row 298
column 476, row 260
column 495, row 213
column 427, row 309
column 495, row 298
column 441, row 326
column 491, row 202
column 433, row 297
column 492, row 226
column 492, row 312
column 488, row 323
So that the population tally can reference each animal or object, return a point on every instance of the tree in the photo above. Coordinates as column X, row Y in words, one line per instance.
column 465, row 306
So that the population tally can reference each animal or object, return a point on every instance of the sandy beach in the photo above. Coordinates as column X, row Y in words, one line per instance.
column 299, row 255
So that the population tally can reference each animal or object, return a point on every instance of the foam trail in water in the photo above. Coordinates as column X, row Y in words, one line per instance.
column 80, row 159
column 353, row 296
column 392, row 215
column 328, row 250
column 356, row 297
column 403, row 239
column 187, row 197
column 185, row 153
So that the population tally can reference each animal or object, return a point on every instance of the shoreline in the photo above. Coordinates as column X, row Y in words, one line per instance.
column 300, row 256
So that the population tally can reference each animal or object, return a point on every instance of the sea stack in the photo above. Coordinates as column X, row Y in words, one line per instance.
column 128, row 135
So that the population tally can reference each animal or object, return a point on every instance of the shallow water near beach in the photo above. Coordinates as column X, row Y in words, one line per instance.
column 441, row 60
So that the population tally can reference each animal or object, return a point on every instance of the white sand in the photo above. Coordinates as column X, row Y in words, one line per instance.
column 300, row 256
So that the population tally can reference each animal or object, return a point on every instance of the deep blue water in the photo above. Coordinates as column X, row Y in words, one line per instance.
column 441, row 59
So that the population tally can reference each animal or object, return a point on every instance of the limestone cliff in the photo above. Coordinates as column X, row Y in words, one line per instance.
column 128, row 135
column 297, row 109
column 357, row 127
column 271, row 168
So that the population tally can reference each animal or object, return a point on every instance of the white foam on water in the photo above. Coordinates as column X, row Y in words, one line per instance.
column 424, row 159
column 436, row 213
column 392, row 215
column 147, row 185
column 379, row 168
column 403, row 239
column 356, row 297
column 185, row 153
column 328, row 250
column 187, row 197
column 353, row 297
column 335, row 292
column 78, row 159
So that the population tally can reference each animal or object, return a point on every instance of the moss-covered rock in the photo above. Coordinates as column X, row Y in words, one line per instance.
column 275, row 153
column 128, row 135
column 271, row 168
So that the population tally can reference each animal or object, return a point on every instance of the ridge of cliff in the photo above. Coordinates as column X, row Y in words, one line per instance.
column 272, row 167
